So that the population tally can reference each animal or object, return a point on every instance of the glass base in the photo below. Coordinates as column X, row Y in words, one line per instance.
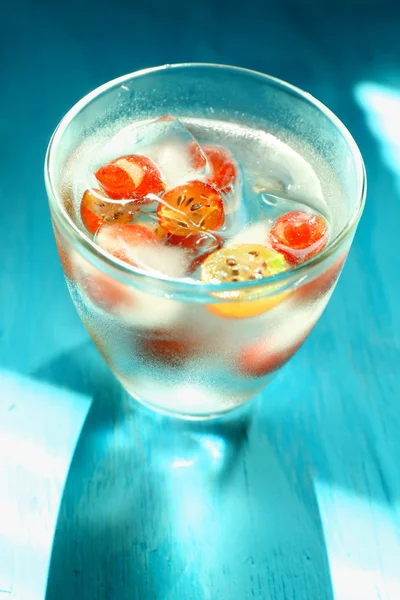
column 236, row 411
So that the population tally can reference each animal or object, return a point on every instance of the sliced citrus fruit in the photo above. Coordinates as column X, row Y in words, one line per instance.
column 241, row 263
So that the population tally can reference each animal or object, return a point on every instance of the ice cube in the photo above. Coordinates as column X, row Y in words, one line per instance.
column 162, row 260
column 297, row 323
column 153, row 311
column 268, row 185
column 255, row 233
column 233, row 199
column 132, row 306
column 168, row 143
column 142, row 252
column 196, row 247
column 290, row 168
column 77, row 174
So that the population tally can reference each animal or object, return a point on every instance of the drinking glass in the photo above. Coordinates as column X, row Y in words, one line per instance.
column 163, row 338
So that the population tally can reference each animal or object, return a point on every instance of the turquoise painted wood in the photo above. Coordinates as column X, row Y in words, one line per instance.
column 296, row 499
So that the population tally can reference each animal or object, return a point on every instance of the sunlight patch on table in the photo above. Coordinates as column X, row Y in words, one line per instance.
column 381, row 105
column 39, row 428
column 362, row 543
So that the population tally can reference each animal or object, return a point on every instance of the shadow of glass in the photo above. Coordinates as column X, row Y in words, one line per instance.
column 163, row 509
column 80, row 369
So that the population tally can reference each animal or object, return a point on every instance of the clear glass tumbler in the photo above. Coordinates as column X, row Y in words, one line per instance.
column 192, row 361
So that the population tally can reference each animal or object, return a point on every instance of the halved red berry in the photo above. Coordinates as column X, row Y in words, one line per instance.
column 223, row 167
column 259, row 360
column 121, row 241
column 191, row 208
column 106, row 292
column 171, row 348
column 96, row 211
column 198, row 245
column 299, row 235
column 314, row 289
column 132, row 176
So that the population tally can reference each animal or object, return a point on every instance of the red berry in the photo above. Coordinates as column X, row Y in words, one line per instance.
column 258, row 360
column 223, row 168
column 131, row 176
column 171, row 348
column 299, row 235
column 120, row 240
column 191, row 208
column 97, row 210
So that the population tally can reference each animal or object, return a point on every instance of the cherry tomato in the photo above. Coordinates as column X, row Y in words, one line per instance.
column 96, row 211
column 131, row 176
column 191, row 208
column 198, row 245
column 243, row 262
column 168, row 348
column 223, row 168
column 299, row 235
column 121, row 241
column 258, row 360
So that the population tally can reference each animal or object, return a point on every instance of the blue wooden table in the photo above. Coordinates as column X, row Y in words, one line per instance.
column 297, row 498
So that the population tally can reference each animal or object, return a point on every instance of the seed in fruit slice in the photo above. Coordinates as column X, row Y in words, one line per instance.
column 131, row 176
column 122, row 241
column 191, row 208
column 96, row 211
column 240, row 263
column 299, row 235
column 222, row 165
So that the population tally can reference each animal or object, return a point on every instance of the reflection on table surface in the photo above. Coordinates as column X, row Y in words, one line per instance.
column 39, row 428
column 297, row 499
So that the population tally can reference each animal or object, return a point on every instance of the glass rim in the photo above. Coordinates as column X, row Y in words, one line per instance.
column 128, row 271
